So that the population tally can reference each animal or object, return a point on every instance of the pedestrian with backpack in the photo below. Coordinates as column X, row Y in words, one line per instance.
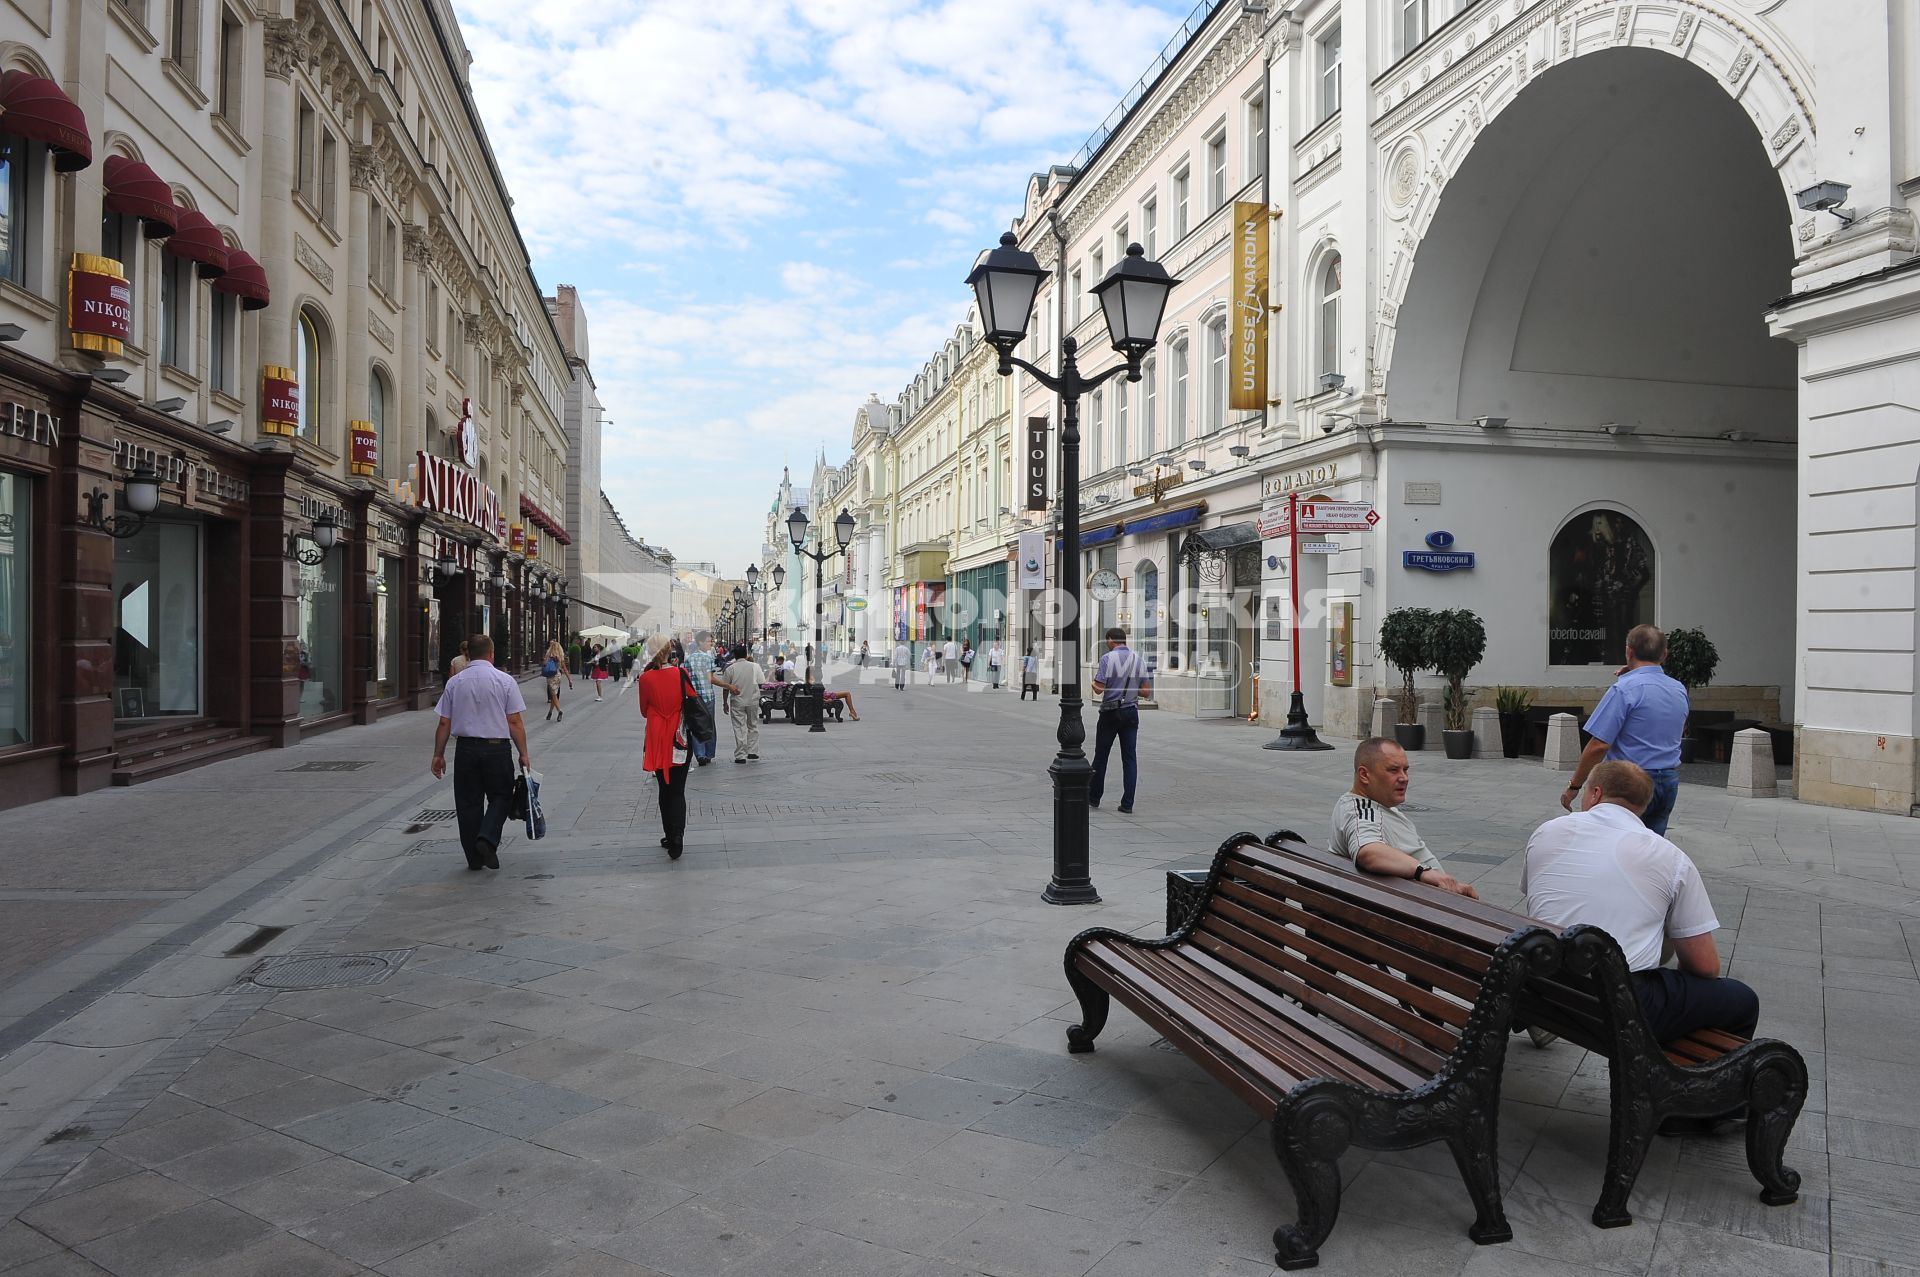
column 553, row 668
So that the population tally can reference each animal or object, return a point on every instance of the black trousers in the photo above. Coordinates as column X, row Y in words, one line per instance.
column 482, row 788
column 673, row 804
column 1676, row 1004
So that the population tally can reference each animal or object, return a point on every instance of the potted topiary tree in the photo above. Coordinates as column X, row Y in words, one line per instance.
column 1403, row 645
column 1512, row 704
column 1692, row 659
column 1456, row 642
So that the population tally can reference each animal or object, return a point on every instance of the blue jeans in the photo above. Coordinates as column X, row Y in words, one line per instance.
column 1666, row 788
column 1122, row 722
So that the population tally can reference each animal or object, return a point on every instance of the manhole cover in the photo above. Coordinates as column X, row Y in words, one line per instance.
column 433, row 815
column 325, row 970
column 338, row 765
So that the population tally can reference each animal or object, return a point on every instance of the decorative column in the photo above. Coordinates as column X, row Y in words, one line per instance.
column 273, row 601
column 361, row 167
column 84, row 604
column 361, row 550
column 279, row 161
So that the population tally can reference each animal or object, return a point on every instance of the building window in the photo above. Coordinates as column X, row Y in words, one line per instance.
column 1150, row 227
column 1177, row 406
column 157, row 590
column 16, row 209
column 1330, row 315
column 1120, row 242
column 308, row 139
column 1096, row 415
column 329, row 176
column 1149, row 405
column 1073, row 297
column 1216, row 400
column 183, row 35
column 176, row 311
column 120, row 239
column 16, row 609
column 1256, row 137
column 377, row 399
column 230, row 75
column 1600, row 585
column 223, row 321
column 1182, row 192
column 1176, row 595
column 1096, row 263
column 1147, row 585
column 1216, row 170
column 1413, row 24
column 1120, row 422
column 310, row 369
column 433, row 316
column 1330, row 73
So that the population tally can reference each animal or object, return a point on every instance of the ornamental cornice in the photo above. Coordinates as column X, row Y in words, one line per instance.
column 417, row 245
column 286, row 47
column 1229, row 54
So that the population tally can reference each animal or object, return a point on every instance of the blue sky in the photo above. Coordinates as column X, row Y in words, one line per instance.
column 769, row 206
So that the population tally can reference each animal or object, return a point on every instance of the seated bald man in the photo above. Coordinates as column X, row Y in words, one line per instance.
column 1604, row 867
column 1369, row 830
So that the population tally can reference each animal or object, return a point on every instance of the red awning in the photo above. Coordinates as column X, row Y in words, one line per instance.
column 198, row 240
column 32, row 106
column 545, row 521
column 245, row 279
column 135, row 190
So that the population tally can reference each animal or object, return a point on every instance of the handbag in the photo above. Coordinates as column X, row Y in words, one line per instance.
column 529, row 782
column 517, row 801
column 696, row 716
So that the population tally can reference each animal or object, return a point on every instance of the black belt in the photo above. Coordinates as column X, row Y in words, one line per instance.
column 483, row 740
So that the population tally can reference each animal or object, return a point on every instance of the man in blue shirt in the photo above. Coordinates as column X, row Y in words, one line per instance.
column 1118, row 681
column 1639, row 720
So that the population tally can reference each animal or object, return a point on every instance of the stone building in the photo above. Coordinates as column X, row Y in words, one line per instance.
column 259, row 256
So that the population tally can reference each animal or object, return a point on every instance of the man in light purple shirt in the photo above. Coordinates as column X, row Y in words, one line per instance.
column 1119, row 681
column 482, row 708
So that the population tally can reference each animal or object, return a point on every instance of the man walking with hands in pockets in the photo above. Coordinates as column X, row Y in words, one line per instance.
column 481, row 707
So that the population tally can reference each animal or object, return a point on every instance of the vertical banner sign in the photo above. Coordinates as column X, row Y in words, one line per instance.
column 279, row 401
column 365, row 456
column 99, row 304
column 1340, row 667
column 1249, row 386
column 1036, row 463
column 1032, row 573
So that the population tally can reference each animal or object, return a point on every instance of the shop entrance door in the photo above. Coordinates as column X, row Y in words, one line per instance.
column 1217, row 661
column 157, row 636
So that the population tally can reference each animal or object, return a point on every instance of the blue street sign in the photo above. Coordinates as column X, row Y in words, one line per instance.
column 1437, row 560
column 1440, row 540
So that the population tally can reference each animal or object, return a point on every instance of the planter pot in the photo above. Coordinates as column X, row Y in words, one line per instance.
column 1691, row 750
column 1513, row 733
column 1459, row 744
column 1412, row 736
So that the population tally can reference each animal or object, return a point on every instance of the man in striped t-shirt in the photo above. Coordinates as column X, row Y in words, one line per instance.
column 1369, row 830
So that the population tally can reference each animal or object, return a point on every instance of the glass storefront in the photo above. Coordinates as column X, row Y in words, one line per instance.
column 157, row 635
column 16, row 619
column 320, row 596
column 387, row 627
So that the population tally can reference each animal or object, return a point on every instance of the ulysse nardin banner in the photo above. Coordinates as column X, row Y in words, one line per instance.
column 1036, row 463
column 1032, row 570
column 1249, row 387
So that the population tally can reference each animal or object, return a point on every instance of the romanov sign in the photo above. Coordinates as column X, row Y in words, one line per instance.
column 458, row 495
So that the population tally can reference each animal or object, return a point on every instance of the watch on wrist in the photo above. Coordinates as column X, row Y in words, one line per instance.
column 1418, row 870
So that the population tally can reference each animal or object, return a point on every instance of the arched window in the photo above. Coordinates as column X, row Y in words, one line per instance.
column 377, row 400
column 1149, row 405
column 1177, row 405
column 1216, row 404
column 1600, row 574
column 309, row 370
column 1330, row 315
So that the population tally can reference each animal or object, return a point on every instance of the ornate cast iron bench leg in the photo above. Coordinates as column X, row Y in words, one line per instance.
column 1094, row 1003
column 1476, row 1152
column 1774, row 1095
column 1310, row 1132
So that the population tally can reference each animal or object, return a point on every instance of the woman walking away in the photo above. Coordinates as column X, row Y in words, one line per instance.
column 599, row 674
column 966, row 662
column 994, row 661
column 863, row 653
column 663, row 687
column 553, row 668
column 1029, row 674
column 454, row 666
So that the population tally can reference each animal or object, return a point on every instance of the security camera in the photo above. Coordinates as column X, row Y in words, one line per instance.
column 1826, row 197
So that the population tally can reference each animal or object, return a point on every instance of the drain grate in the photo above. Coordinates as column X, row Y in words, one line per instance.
column 434, row 815
column 324, row 970
column 338, row 765
column 899, row 778
column 431, row 846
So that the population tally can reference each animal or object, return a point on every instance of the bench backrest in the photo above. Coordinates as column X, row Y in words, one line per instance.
column 1402, row 973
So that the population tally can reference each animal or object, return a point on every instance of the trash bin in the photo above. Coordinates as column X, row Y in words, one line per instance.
column 807, row 703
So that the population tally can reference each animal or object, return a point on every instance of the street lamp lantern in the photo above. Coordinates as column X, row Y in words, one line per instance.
column 326, row 533
column 797, row 527
column 737, row 597
column 843, row 528
column 779, row 576
column 1134, row 297
column 1004, row 285
column 753, row 575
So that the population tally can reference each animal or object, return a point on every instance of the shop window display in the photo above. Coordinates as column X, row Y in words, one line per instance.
column 16, row 622
column 319, row 636
column 387, row 627
column 1600, row 573
column 157, row 634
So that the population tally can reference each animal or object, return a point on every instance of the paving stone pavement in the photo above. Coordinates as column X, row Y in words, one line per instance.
column 830, row 1038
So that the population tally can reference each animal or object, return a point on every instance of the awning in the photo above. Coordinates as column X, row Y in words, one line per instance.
column 1170, row 519
column 1099, row 536
column 198, row 240
column 32, row 106
column 134, row 190
column 245, row 279
column 1228, row 537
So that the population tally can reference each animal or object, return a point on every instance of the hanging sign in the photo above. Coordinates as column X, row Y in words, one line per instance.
column 1274, row 521
column 1036, row 463
column 279, row 401
column 1338, row 516
column 1319, row 547
column 458, row 495
column 1249, row 386
column 1340, row 667
column 1032, row 572
column 364, row 457
column 516, row 537
column 99, row 304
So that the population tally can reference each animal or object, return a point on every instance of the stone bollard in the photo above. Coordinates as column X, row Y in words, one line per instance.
column 1486, row 732
column 1383, row 716
column 1563, row 743
column 1434, row 719
column 1751, row 774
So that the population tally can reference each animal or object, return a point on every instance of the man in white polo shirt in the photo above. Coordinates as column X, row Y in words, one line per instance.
column 482, row 708
column 1603, row 867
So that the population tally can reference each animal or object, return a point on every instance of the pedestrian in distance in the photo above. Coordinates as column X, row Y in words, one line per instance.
column 966, row 662
column 741, row 680
column 1029, row 674
column 598, row 676
column 994, row 660
column 481, row 708
column 663, row 689
column 553, row 668
column 455, row 665
column 932, row 660
column 902, row 662
column 1120, row 679
column 1639, row 721
column 863, row 654
column 700, row 666
column 950, row 660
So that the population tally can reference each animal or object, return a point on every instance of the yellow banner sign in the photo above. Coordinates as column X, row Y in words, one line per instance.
column 1249, row 385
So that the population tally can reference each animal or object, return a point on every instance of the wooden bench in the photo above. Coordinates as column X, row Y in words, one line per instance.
column 1343, row 1008
column 1591, row 1003
column 777, row 698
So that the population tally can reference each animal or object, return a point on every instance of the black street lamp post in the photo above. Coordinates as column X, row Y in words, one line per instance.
column 754, row 587
column 816, row 668
column 1134, row 297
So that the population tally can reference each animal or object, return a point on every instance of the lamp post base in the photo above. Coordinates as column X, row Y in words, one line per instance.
column 1072, row 882
column 1298, row 735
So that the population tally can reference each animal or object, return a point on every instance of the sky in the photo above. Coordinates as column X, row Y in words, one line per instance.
column 770, row 206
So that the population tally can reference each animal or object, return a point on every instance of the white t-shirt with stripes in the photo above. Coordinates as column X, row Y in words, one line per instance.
column 1359, row 820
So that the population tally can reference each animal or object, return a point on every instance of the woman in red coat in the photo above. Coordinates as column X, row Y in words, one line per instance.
column 663, row 687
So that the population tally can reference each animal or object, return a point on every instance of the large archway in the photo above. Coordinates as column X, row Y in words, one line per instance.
column 1597, row 273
